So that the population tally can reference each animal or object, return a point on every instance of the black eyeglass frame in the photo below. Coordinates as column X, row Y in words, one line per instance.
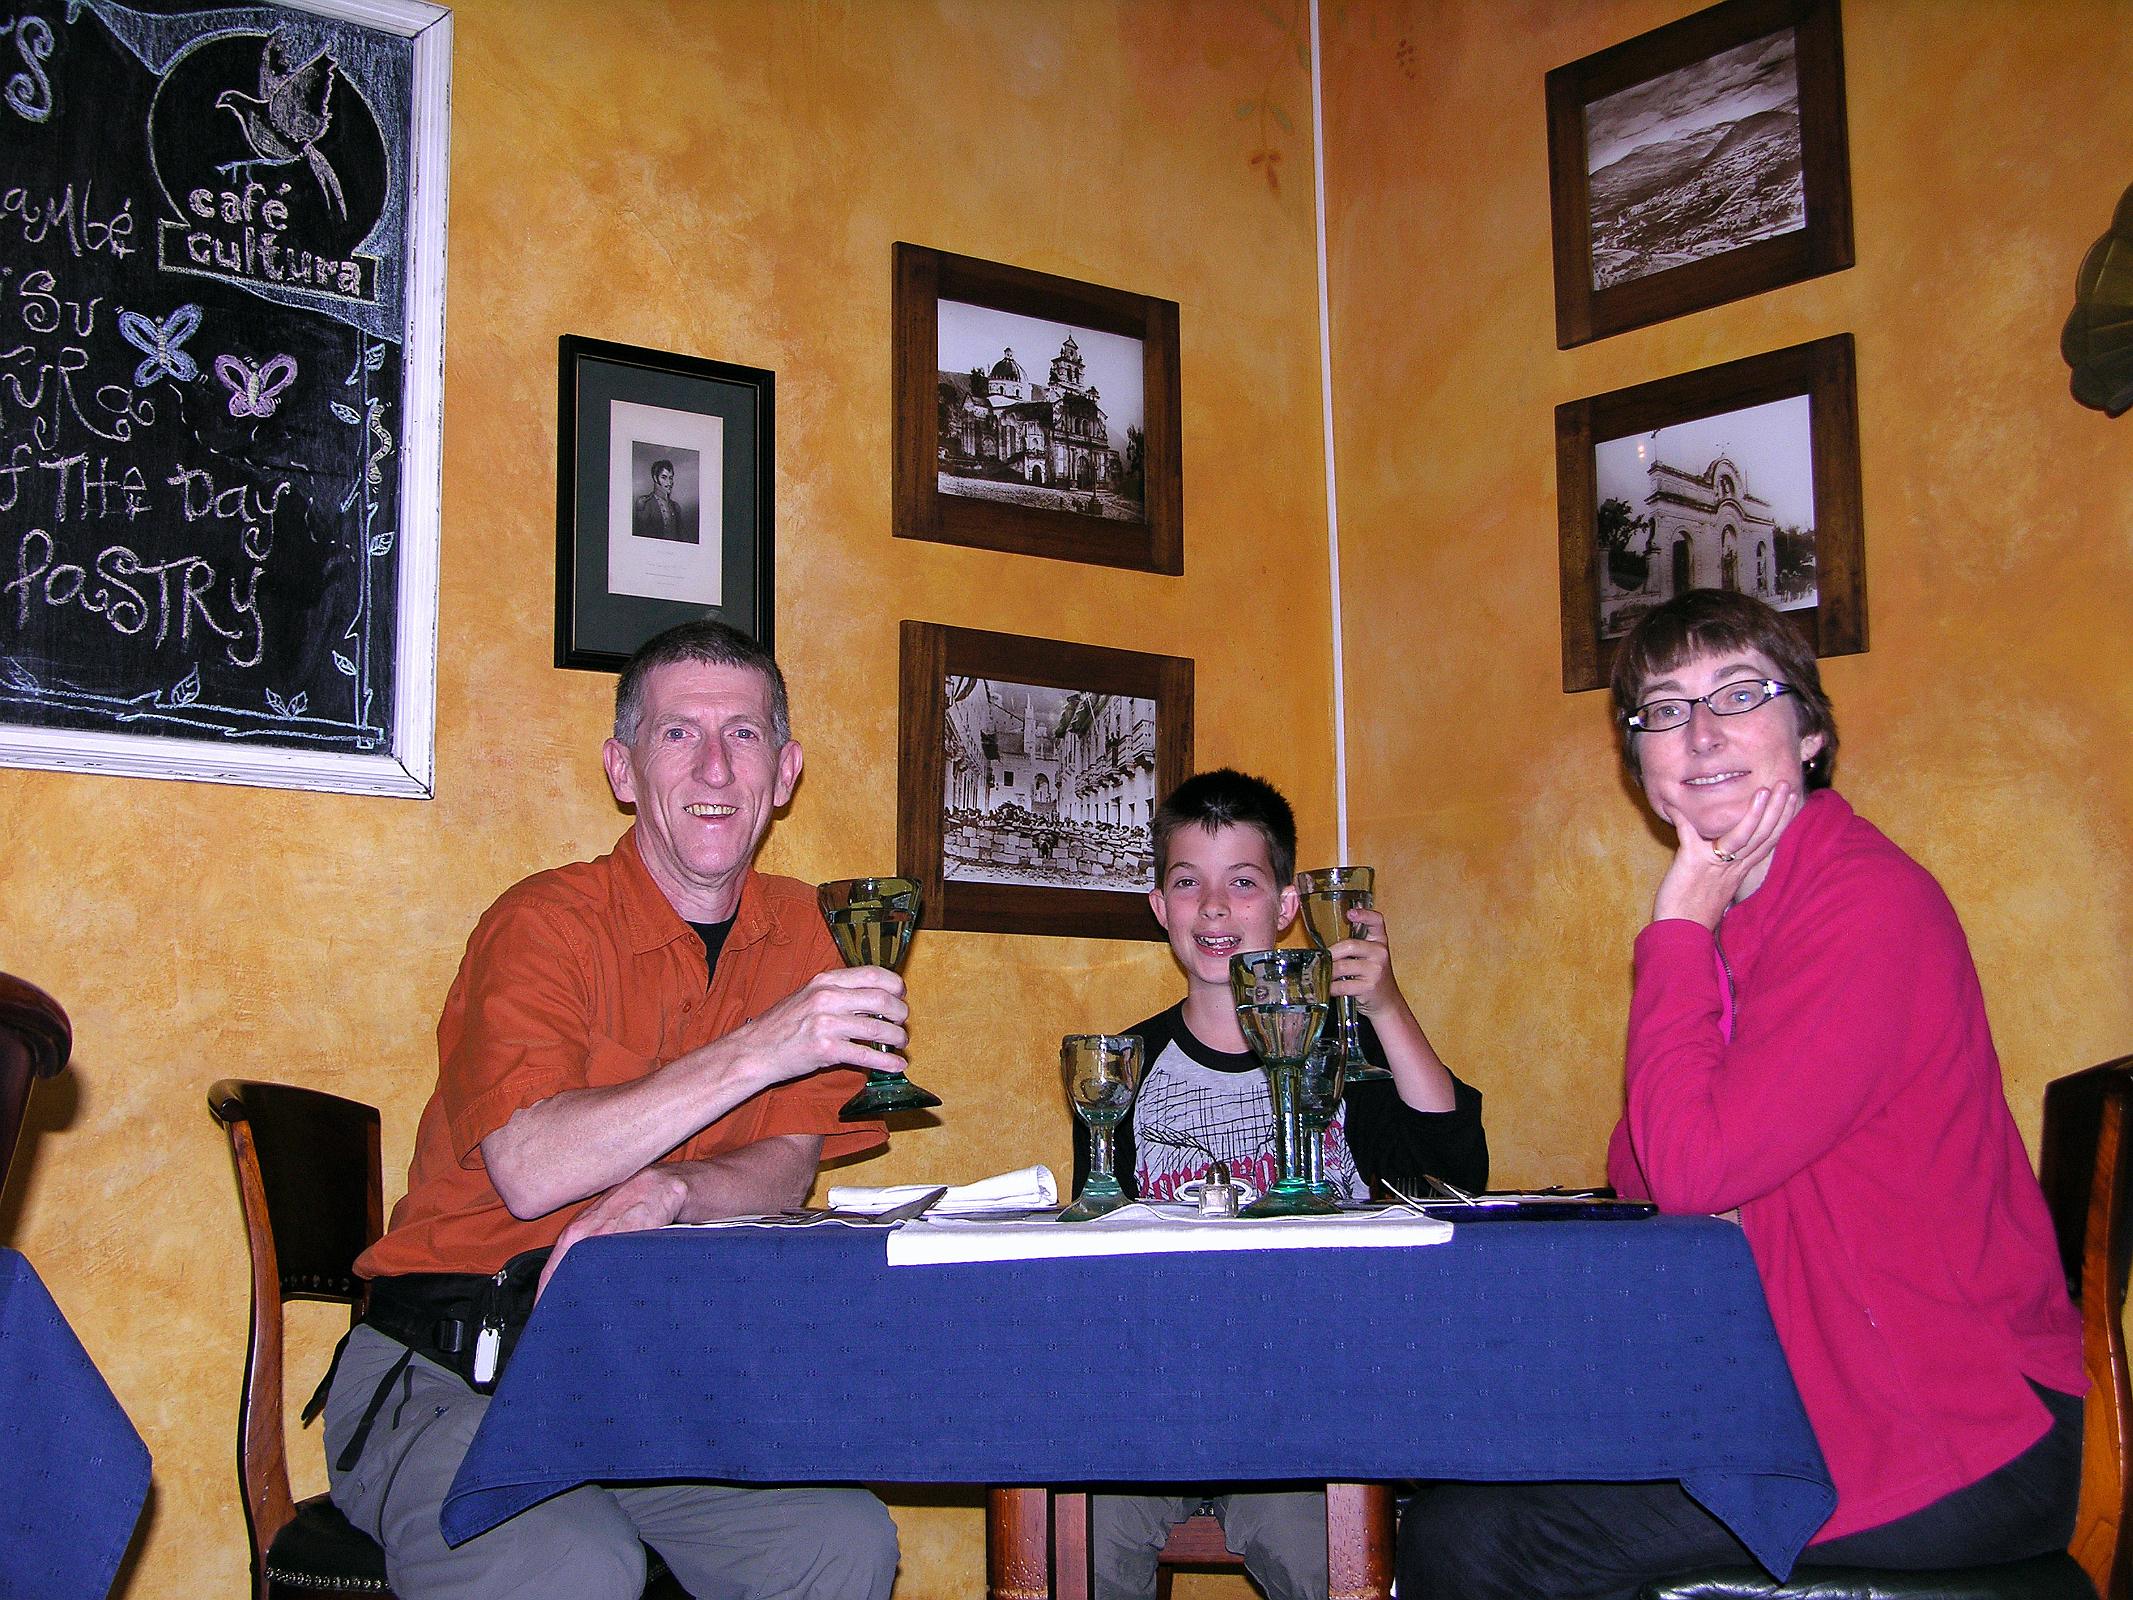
column 1771, row 688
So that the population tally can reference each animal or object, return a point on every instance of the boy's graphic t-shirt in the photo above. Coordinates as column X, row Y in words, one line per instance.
column 1198, row 1105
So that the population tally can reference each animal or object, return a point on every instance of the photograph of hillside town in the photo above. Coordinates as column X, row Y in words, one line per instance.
column 1040, row 413
column 1696, row 162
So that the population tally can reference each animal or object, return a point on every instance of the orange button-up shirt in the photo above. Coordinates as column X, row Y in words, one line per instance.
column 584, row 977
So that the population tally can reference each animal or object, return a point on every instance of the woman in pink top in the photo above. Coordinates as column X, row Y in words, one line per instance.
column 1808, row 1048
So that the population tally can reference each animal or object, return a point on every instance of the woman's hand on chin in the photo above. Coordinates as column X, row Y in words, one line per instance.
column 1707, row 875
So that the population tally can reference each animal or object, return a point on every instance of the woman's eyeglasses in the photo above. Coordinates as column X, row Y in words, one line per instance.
column 1727, row 700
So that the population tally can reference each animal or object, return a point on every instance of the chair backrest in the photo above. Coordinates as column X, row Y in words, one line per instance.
column 2087, row 1173
column 1199, row 1542
column 1359, row 1544
column 307, row 1176
column 35, row 1041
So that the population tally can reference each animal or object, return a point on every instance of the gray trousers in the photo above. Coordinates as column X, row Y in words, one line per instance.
column 1280, row 1533
column 722, row 1542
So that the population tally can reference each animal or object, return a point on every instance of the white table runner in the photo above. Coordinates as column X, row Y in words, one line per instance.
column 1143, row 1229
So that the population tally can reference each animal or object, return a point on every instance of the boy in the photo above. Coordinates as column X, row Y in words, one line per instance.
column 1225, row 859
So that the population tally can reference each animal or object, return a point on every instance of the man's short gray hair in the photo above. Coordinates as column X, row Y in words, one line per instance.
column 715, row 645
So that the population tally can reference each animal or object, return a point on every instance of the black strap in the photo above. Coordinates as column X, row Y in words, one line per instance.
column 352, row 1452
column 317, row 1402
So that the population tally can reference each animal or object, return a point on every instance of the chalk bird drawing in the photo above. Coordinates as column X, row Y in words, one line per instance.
column 290, row 116
column 161, row 343
column 255, row 391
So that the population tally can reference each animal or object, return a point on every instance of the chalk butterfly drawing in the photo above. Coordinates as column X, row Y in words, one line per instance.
column 255, row 391
column 160, row 342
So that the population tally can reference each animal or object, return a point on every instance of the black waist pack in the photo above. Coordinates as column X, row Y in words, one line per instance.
column 466, row 1322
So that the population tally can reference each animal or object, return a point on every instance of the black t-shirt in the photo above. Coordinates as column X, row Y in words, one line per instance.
column 713, row 935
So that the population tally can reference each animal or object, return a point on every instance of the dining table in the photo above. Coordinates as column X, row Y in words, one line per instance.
column 1505, row 1350
column 73, row 1470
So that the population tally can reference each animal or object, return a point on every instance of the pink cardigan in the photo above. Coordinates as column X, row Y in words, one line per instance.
column 1846, row 1097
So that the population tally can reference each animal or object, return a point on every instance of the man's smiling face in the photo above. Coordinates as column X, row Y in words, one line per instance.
column 705, row 771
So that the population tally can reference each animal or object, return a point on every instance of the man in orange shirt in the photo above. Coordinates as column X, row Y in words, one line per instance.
column 661, row 1035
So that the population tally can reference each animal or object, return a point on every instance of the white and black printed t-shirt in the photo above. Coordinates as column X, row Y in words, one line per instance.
column 1198, row 1104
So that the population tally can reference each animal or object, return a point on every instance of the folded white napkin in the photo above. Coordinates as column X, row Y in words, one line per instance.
column 1030, row 1189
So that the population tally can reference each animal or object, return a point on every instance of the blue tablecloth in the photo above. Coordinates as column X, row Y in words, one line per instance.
column 1603, row 1350
column 73, row 1473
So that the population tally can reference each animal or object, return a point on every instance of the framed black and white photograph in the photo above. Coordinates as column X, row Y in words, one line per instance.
column 1035, row 414
column 1029, row 777
column 1060, row 426
column 1697, row 164
column 1743, row 477
column 663, row 498
column 229, row 262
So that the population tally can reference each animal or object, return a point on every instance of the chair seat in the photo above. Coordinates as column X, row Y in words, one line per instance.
column 2057, row 1576
column 323, row 1552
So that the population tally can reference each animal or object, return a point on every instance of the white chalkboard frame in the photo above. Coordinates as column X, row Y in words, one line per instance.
column 407, row 769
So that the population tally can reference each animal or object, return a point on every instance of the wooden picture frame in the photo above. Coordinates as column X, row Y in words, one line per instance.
column 1072, row 498
column 1707, row 522
column 245, row 587
column 1094, row 772
column 1688, row 105
column 664, row 488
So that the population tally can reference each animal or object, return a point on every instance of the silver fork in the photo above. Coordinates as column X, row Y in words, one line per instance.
column 1413, row 1204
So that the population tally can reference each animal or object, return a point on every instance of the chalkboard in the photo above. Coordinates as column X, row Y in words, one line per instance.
column 221, row 340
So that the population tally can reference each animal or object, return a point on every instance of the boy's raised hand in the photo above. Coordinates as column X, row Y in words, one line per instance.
column 1362, row 964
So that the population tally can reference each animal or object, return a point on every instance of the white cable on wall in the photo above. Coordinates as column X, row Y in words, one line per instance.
column 1333, row 515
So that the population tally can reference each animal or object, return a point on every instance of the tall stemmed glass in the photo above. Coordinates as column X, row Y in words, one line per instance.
column 1103, row 1072
column 1281, row 1006
column 1329, row 894
column 1324, row 1076
column 872, row 920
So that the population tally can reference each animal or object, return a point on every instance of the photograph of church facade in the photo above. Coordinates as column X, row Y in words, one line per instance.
column 1049, row 787
column 1069, row 440
column 1723, row 502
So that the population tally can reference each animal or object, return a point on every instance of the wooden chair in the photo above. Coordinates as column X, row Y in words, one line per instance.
column 2087, row 1174
column 307, row 1175
column 1359, row 1528
column 35, row 1041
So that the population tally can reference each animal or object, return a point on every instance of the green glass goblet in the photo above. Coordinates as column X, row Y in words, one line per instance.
column 1281, row 1006
column 871, row 920
column 1329, row 894
column 1102, row 1072
column 1324, row 1077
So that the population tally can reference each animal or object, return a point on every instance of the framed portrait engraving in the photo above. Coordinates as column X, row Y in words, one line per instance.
column 663, row 498
column 1027, row 779
column 1698, row 163
column 1035, row 414
column 1742, row 477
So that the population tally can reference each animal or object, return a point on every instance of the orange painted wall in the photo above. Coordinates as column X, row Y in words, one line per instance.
column 726, row 180
column 1985, row 731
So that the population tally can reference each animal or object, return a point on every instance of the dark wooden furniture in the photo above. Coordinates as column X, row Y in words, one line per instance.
column 2087, row 1173
column 307, row 1176
column 35, row 1041
column 1359, row 1528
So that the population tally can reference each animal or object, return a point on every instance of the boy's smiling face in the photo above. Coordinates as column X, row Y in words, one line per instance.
column 1218, row 897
